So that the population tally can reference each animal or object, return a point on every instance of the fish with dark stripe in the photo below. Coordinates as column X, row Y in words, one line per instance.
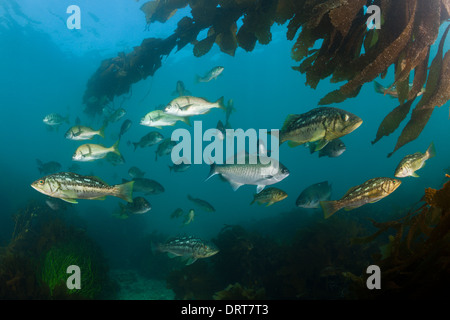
column 70, row 186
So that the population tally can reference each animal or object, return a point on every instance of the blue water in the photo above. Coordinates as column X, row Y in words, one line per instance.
column 45, row 68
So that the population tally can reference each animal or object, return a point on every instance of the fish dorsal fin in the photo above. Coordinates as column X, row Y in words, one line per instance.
column 350, row 191
column 289, row 119
column 97, row 179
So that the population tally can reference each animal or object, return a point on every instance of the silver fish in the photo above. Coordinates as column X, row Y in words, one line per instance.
column 186, row 106
column 258, row 174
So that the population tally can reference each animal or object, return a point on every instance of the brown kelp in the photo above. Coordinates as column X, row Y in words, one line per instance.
column 350, row 51
column 415, row 261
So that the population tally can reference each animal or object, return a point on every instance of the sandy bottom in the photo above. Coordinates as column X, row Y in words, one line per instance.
column 135, row 287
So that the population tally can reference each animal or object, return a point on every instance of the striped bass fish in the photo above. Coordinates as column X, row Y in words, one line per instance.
column 322, row 124
column 413, row 162
column 370, row 191
column 188, row 247
column 210, row 75
column 70, row 186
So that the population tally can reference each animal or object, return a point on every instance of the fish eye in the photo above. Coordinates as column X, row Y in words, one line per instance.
column 41, row 182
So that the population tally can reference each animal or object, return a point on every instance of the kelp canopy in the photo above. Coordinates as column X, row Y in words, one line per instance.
column 349, row 51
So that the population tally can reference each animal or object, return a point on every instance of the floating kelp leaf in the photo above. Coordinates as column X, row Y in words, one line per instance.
column 204, row 12
column 320, row 10
column 446, row 7
column 342, row 17
column 246, row 40
column 420, row 76
column 227, row 41
column 422, row 112
column 370, row 39
column 115, row 76
column 305, row 40
column 425, row 33
column 293, row 26
column 202, row 47
column 161, row 11
column 442, row 94
column 391, row 122
column 383, row 60
column 337, row 96
column 285, row 10
column 307, row 63
column 186, row 31
column 413, row 128
column 403, row 85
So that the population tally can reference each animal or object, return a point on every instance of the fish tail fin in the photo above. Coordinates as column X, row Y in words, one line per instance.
column 101, row 131
column 125, row 191
column 66, row 119
column 378, row 87
column 253, row 201
column 221, row 104
column 329, row 208
column 197, row 78
column 431, row 151
column 115, row 148
column 170, row 168
column 212, row 171
column 135, row 144
column 155, row 247
column 186, row 120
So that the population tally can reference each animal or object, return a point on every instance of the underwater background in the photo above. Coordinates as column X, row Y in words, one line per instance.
column 274, row 252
